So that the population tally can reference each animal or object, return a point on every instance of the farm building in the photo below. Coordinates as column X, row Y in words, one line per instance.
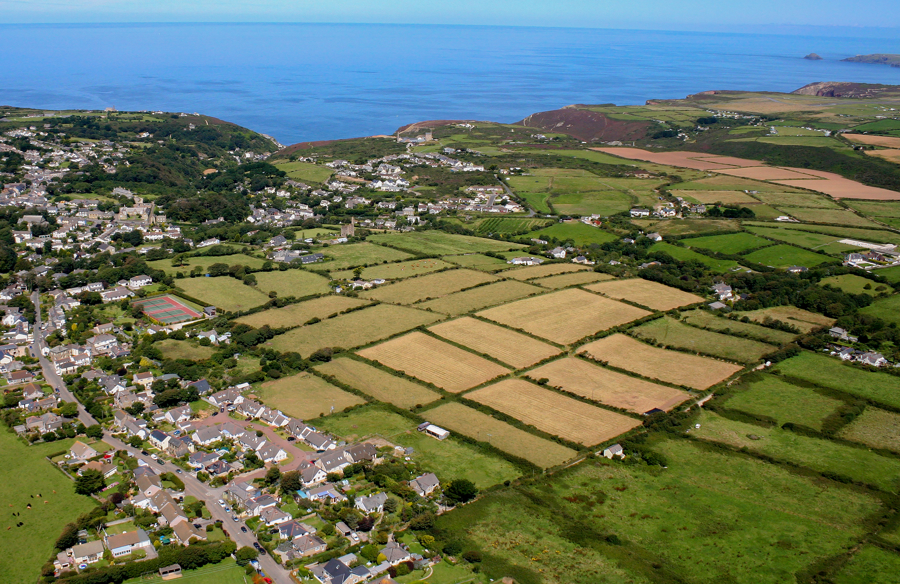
column 434, row 431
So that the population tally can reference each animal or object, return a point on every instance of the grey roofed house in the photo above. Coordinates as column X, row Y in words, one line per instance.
column 319, row 441
column 425, row 484
column 360, row 452
column 292, row 529
column 311, row 474
column 201, row 385
column 372, row 503
column 395, row 553
column 333, row 461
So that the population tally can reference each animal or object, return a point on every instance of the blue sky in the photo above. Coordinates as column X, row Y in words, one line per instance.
column 645, row 14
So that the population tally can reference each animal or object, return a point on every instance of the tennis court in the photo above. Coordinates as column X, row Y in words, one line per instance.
column 167, row 309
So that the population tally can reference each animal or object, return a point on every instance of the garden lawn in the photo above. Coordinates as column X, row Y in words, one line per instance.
column 832, row 372
column 26, row 548
column 783, row 256
column 223, row 292
column 782, row 401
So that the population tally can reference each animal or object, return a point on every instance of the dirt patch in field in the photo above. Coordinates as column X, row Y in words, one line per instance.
column 674, row 367
column 553, row 413
column 434, row 361
column 614, row 389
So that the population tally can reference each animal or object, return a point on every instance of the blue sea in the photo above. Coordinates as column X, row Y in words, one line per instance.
column 299, row 82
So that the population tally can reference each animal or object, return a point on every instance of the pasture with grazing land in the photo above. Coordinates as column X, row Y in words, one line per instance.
column 355, row 329
column 614, row 389
column 190, row 262
column 565, row 316
column 480, row 297
column 626, row 353
column 173, row 349
column 510, row 347
column 429, row 286
column 396, row 270
column 733, row 243
column 804, row 320
column 553, row 412
column 306, row 171
column 571, row 279
column 684, row 254
column 875, row 427
column 223, row 292
column 579, row 233
column 433, row 361
column 305, row 396
column 646, row 293
column 821, row 455
column 836, row 216
column 28, row 473
column 379, row 384
column 870, row 565
column 477, row 261
column 887, row 309
column 782, row 401
column 853, row 284
column 832, row 372
column 484, row 428
column 296, row 283
column 669, row 332
column 359, row 254
column 435, row 242
column 544, row 270
column 783, row 256
column 299, row 314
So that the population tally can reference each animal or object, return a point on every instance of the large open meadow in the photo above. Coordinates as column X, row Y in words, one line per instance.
column 833, row 373
column 204, row 262
column 708, row 320
column 223, row 292
column 299, row 314
column 397, row 270
column 804, row 320
column 571, row 279
column 305, row 396
column 674, row 367
column 772, row 397
column 351, row 255
column 876, row 428
column 354, row 329
column 297, row 283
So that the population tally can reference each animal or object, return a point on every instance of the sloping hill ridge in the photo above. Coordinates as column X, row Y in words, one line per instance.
column 846, row 89
column 586, row 125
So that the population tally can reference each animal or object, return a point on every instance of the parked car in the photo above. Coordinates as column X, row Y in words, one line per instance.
column 153, row 456
column 235, row 518
column 179, row 471
column 243, row 528
column 145, row 453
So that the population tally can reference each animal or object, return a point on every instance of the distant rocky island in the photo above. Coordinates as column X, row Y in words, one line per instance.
column 813, row 57
column 877, row 59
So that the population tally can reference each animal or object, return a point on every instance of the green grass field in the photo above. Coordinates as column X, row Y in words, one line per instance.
column 684, row 255
column 306, row 172
column 490, row 225
column 870, row 565
column 440, row 243
column 875, row 427
column 429, row 286
column 887, row 309
column 477, row 261
column 672, row 333
column 891, row 274
column 871, row 235
column 26, row 548
column 797, row 200
column 836, row 216
column 173, row 349
column 302, row 312
column 352, row 330
column 480, row 297
column 706, row 319
column 296, row 283
column 804, row 320
column 305, row 396
column 579, row 233
column 820, row 455
column 700, row 520
column 876, row 208
column 397, row 270
column 853, row 284
column 223, row 292
column 359, row 254
column 448, row 459
column 225, row 572
column 205, row 262
column 832, row 372
column 579, row 192
column 732, row 243
column 783, row 256
column 783, row 401
column 379, row 384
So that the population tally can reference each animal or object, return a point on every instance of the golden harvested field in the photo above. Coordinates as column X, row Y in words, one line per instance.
column 886, row 141
column 614, row 389
column 804, row 320
column 552, row 412
column 474, row 424
column 429, row 286
column 481, row 297
column 680, row 159
column 305, row 396
column 767, row 173
column 572, row 279
column 434, row 361
column 301, row 313
column 892, row 155
column 623, row 352
column 565, row 316
column 379, row 384
column 529, row 272
column 841, row 188
column 646, row 293
column 352, row 330
column 512, row 348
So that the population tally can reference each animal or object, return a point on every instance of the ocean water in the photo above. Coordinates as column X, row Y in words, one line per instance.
column 299, row 82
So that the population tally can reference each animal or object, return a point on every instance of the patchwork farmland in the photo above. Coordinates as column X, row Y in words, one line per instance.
column 305, row 396
column 379, row 384
column 510, row 347
column 614, row 389
column 434, row 361
column 552, row 412
column 646, row 293
column 565, row 316
column 429, row 286
column 299, row 314
column 480, row 297
column 624, row 352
